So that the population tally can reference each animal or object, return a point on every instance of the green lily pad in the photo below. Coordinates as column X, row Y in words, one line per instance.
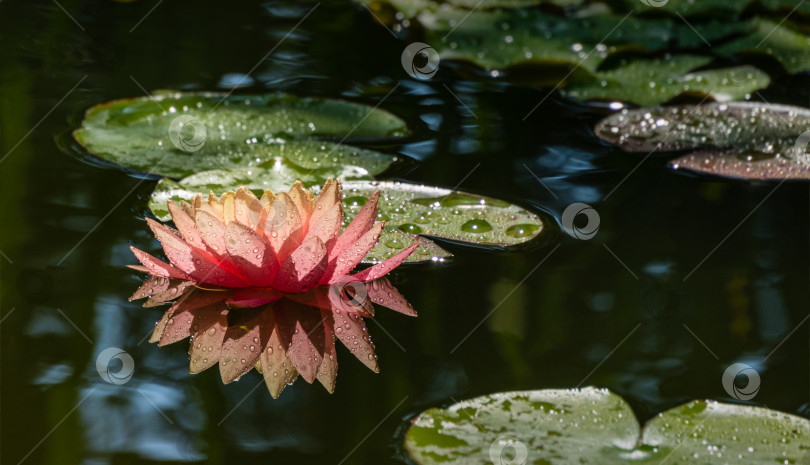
column 741, row 140
column 647, row 82
column 719, row 8
column 176, row 135
column 595, row 426
column 409, row 210
column 770, row 38
column 578, row 51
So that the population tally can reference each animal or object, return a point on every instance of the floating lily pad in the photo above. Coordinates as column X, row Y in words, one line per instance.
column 578, row 51
column 742, row 140
column 178, row 134
column 647, row 82
column 409, row 210
column 595, row 426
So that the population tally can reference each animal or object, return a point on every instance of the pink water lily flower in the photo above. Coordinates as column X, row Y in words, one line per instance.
column 266, row 283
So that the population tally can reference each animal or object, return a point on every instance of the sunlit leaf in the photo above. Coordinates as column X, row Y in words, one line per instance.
column 177, row 135
column 594, row 426
column 743, row 140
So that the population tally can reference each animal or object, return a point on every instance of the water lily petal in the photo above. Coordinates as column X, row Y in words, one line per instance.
column 352, row 255
column 352, row 332
column 251, row 254
column 381, row 269
column 183, row 323
column 329, row 197
column 228, row 208
column 307, row 340
column 247, row 208
column 327, row 372
column 153, row 285
column 327, row 226
column 206, row 347
column 157, row 267
column 303, row 268
column 243, row 344
column 382, row 292
column 250, row 298
column 302, row 201
column 277, row 368
column 175, row 290
column 187, row 227
column 362, row 222
column 193, row 262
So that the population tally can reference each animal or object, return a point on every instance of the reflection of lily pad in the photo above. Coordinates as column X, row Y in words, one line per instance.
column 593, row 426
column 179, row 134
column 743, row 140
column 408, row 210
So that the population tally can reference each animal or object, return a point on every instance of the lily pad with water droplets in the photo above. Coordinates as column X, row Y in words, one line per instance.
column 180, row 134
column 409, row 210
column 595, row 426
column 650, row 81
column 741, row 140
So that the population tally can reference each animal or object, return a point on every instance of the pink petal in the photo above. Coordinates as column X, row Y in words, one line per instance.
column 157, row 267
column 187, row 322
column 327, row 372
column 249, row 298
column 282, row 226
column 327, row 226
column 206, row 348
column 329, row 197
column 307, row 340
column 277, row 368
column 153, row 285
column 187, row 227
column 251, row 254
column 243, row 344
column 381, row 269
column 192, row 261
column 303, row 269
column 247, row 208
column 382, row 292
column 361, row 223
column 332, row 298
column 228, row 213
column 192, row 300
column 354, row 254
column 352, row 332
column 175, row 290
column 302, row 201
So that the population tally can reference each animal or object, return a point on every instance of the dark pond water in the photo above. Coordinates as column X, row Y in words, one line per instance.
column 687, row 274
